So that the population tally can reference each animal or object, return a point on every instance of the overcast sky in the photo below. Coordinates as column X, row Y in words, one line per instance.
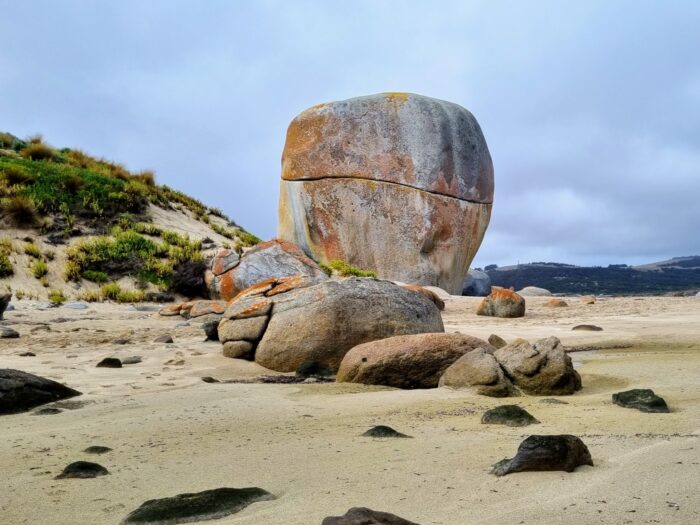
column 591, row 110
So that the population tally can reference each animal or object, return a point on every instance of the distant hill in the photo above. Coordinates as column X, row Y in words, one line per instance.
column 677, row 274
column 74, row 226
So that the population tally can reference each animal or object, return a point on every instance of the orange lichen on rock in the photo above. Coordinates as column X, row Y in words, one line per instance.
column 427, row 293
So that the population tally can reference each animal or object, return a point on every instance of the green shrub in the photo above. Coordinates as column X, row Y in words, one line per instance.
column 90, row 296
column 248, row 239
column 130, row 296
column 6, row 269
column 110, row 290
column 5, row 245
column 338, row 267
column 44, row 281
column 39, row 268
column 57, row 297
column 32, row 250
column 16, row 175
column 20, row 210
column 49, row 255
column 95, row 276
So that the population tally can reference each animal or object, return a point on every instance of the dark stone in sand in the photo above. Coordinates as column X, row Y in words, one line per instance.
column 642, row 399
column 97, row 449
column 209, row 379
column 109, row 362
column 133, row 360
column 365, row 516
column 588, row 328
column 382, row 431
column 121, row 341
column 165, row 338
column 552, row 401
column 27, row 354
column 21, row 391
column 82, row 470
column 538, row 453
column 211, row 329
column 313, row 369
column 200, row 506
column 4, row 302
column 8, row 333
column 511, row 415
column 48, row 411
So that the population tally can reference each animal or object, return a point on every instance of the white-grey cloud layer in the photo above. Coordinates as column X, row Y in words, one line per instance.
column 591, row 109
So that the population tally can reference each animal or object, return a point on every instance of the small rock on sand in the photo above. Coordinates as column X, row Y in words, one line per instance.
column 497, row 341
column 82, row 470
column 510, row 415
column 165, row 338
column 21, row 391
column 97, row 449
column 365, row 516
column 383, row 431
column 642, row 399
column 538, row 453
column 109, row 362
column 8, row 333
column 133, row 360
column 587, row 328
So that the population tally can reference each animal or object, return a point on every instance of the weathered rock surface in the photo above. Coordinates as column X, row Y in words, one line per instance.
column 497, row 341
column 479, row 371
column 476, row 284
column 238, row 350
column 109, row 362
column 21, row 391
column 365, row 516
column 542, row 369
column 534, row 291
column 290, row 323
column 434, row 297
column 271, row 259
column 502, row 302
column 200, row 506
column 165, row 338
column 83, row 470
column 406, row 361
column 383, row 431
column 200, row 308
column 395, row 182
column 642, row 399
column 538, row 453
column 588, row 299
column 8, row 333
column 4, row 302
column 510, row 415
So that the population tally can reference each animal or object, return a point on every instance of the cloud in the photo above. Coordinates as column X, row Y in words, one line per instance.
column 591, row 110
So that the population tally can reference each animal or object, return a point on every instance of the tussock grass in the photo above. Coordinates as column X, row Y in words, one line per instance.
column 39, row 268
column 19, row 210
column 343, row 269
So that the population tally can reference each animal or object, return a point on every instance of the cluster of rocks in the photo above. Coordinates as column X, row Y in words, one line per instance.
column 461, row 361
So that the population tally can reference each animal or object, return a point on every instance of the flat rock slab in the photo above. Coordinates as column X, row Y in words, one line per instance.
column 83, row 470
column 540, row 453
column 383, row 431
column 510, row 415
column 365, row 516
column 21, row 391
column 200, row 506
column 587, row 328
column 642, row 399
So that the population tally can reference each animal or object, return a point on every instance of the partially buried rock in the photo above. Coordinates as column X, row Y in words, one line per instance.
column 556, row 303
column 97, row 449
column 211, row 329
column 542, row 369
column 479, row 371
column 4, row 302
column 406, row 361
column 587, row 328
column 496, row 341
column 642, row 399
column 365, row 516
column 8, row 333
column 27, row 354
column 313, row 369
column 383, row 431
column 200, row 506
column 133, row 360
column 121, row 341
column 238, row 350
column 21, row 391
column 534, row 291
column 539, row 453
column 110, row 362
column 502, row 303
column 209, row 379
column 165, row 338
column 82, row 470
column 588, row 299
column 510, row 415
column 47, row 411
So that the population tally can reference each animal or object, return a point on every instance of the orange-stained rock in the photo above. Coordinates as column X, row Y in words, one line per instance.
column 556, row 303
column 397, row 183
column 186, row 307
column 224, row 261
column 200, row 308
column 171, row 309
column 502, row 302
column 428, row 293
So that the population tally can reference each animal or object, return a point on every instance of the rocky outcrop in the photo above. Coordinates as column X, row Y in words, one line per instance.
column 398, row 183
column 538, row 453
column 21, row 391
column 541, row 369
column 479, row 371
column 407, row 361
column 293, row 320
column 476, row 284
column 365, row 516
column 534, row 291
column 502, row 302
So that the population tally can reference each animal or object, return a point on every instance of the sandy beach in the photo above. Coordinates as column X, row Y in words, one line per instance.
column 172, row 433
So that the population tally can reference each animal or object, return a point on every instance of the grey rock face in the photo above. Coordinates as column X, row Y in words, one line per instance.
column 21, row 391
column 538, row 453
column 476, row 284
column 365, row 516
column 534, row 291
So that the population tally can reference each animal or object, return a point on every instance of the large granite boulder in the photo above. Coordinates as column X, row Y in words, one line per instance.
column 479, row 372
column 406, row 361
column 476, row 284
column 21, row 391
column 395, row 182
column 230, row 273
column 542, row 369
column 294, row 320
column 502, row 302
